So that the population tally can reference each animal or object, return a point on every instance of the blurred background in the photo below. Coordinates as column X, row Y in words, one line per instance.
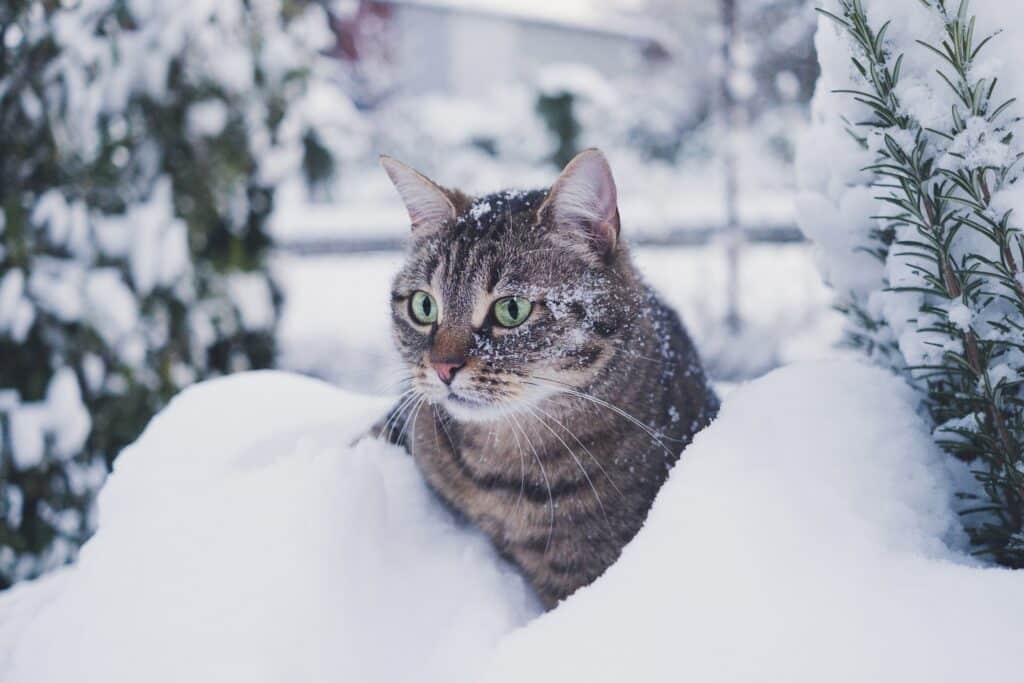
column 191, row 189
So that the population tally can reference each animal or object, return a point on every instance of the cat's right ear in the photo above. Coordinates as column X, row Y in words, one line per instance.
column 427, row 203
column 583, row 199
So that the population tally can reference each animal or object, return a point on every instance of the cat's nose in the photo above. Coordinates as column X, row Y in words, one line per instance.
column 448, row 353
column 446, row 371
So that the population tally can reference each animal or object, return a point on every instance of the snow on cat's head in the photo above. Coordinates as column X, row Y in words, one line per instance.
column 507, row 299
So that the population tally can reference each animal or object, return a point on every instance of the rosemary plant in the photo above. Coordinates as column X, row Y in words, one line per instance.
column 948, row 249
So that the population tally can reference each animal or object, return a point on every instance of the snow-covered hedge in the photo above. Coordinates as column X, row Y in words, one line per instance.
column 912, row 191
column 804, row 536
column 142, row 143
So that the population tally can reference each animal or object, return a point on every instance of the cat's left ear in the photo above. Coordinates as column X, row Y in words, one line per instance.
column 583, row 199
column 428, row 204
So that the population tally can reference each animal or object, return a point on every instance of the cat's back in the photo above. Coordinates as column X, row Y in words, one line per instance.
column 668, row 346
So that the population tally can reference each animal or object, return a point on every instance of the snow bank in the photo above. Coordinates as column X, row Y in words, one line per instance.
column 799, row 539
column 240, row 539
column 805, row 535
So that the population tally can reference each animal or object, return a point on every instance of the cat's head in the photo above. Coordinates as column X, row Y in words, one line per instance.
column 507, row 299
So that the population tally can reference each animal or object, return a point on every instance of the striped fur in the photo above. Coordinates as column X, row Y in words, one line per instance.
column 556, row 436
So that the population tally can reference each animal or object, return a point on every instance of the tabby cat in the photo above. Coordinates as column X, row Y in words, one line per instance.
column 550, row 391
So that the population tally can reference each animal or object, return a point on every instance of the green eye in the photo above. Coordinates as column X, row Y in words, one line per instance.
column 423, row 308
column 512, row 311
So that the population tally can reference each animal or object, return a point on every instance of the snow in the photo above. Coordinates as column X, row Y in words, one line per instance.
column 960, row 315
column 479, row 209
column 577, row 79
column 26, row 433
column 16, row 312
column 111, row 305
column 979, row 145
column 66, row 224
column 241, row 539
column 153, row 240
column 802, row 537
column 68, row 417
column 59, row 418
column 807, row 534
column 213, row 40
column 335, row 323
column 159, row 253
column 206, row 118
column 251, row 295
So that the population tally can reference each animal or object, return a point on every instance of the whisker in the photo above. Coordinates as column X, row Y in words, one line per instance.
column 522, row 465
column 582, row 445
column 576, row 460
column 392, row 420
column 444, row 426
column 394, row 412
column 620, row 344
column 547, row 482
column 437, row 437
column 388, row 384
column 413, row 414
column 568, row 389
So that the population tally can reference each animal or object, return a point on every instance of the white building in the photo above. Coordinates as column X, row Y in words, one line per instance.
column 463, row 47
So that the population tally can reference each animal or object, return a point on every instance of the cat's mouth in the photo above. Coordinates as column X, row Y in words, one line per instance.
column 470, row 408
column 465, row 400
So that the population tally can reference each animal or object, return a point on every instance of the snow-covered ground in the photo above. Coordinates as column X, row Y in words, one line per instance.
column 241, row 539
column 806, row 535
column 336, row 319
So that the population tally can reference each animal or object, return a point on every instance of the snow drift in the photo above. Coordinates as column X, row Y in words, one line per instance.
column 802, row 537
column 240, row 539
column 805, row 535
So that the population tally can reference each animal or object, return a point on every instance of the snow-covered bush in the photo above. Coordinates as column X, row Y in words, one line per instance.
column 913, row 193
column 141, row 146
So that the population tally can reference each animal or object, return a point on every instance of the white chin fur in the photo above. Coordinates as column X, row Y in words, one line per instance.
column 484, row 412
column 474, row 413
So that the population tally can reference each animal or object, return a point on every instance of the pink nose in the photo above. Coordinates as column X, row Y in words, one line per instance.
column 446, row 371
